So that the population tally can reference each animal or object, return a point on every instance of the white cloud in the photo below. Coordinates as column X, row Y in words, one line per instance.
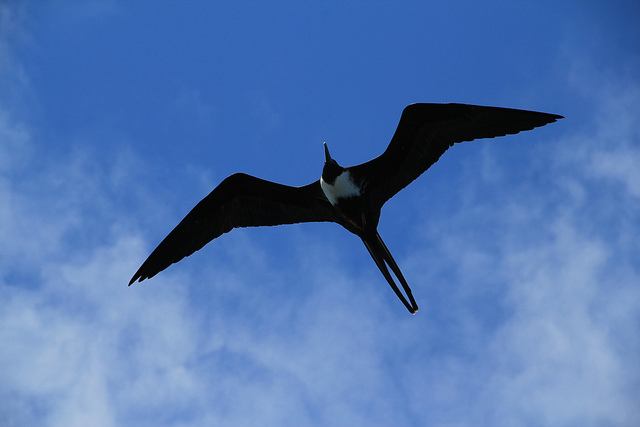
column 565, row 256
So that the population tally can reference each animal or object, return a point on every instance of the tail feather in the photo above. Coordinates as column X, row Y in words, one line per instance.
column 382, row 257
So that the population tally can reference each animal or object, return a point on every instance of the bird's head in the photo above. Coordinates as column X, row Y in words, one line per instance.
column 331, row 168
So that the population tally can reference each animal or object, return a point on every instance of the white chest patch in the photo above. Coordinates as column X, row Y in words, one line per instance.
column 342, row 188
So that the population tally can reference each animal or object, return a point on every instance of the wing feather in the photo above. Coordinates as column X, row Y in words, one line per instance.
column 426, row 131
column 240, row 200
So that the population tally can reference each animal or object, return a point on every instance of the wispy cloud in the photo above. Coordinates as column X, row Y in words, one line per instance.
column 564, row 252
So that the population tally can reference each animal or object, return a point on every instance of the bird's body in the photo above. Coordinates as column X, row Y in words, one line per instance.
column 352, row 197
column 343, row 187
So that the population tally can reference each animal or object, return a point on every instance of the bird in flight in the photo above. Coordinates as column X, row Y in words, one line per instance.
column 350, row 196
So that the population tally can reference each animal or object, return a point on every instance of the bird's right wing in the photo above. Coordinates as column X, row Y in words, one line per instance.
column 426, row 131
column 240, row 200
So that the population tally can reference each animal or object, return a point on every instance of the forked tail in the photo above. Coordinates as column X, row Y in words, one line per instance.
column 382, row 257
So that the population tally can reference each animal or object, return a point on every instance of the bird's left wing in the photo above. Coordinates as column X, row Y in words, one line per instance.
column 240, row 200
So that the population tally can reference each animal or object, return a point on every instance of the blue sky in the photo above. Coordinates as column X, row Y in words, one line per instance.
column 117, row 117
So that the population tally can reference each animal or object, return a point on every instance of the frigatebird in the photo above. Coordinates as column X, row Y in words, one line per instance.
column 350, row 196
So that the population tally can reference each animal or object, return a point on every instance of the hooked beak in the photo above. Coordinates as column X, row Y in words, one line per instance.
column 327, row 156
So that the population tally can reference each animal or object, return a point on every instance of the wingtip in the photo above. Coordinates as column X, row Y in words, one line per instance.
column 134, row 279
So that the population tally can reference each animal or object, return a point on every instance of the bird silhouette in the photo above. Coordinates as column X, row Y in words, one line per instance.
column 350, row 196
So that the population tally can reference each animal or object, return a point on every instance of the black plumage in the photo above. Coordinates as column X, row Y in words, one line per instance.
column 424, row 133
